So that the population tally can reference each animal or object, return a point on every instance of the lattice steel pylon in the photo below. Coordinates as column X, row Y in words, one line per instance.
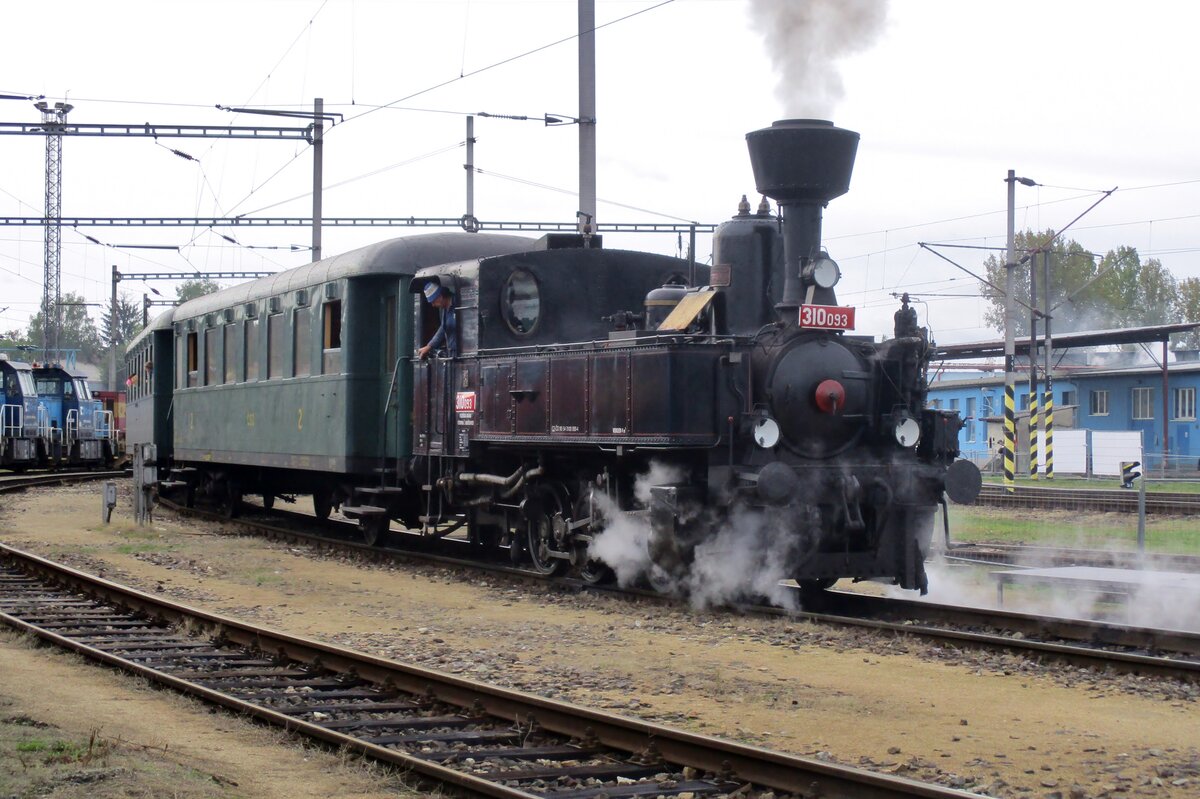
column 53, row 120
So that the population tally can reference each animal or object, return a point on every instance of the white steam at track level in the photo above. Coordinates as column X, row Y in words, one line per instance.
column 805, row 39
column 743, row 560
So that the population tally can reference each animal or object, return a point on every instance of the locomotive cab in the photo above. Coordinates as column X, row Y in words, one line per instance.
column 18, row 415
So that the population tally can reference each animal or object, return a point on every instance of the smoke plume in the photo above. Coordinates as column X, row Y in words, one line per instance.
column 806, row 38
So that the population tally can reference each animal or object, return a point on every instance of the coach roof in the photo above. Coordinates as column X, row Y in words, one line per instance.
column 399, row 256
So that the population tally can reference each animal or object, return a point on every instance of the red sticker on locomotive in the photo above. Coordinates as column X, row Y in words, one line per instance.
column 829, row 317
column 464, row 402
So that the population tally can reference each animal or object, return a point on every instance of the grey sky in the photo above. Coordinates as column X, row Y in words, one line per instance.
column 1079, row 95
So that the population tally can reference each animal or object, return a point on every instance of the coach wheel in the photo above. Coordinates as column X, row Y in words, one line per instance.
column 231, row 500
column 322, row 503
column 373, row 528
column 545, row 509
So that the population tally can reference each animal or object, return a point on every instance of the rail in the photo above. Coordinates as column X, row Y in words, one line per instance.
column 1089, row 499
column 1077, row 642
column 489, row 740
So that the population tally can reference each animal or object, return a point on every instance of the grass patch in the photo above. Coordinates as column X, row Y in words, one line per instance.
column 264, row 577
column 37, row 759
column 1164, row 534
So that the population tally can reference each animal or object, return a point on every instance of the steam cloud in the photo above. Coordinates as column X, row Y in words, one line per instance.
column 745, row 559
column 1157, row 606
column 805, row 38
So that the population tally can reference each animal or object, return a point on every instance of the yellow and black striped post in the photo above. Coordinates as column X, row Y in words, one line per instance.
column 1033, row 426
column 1010, row 439
column 1049, row 405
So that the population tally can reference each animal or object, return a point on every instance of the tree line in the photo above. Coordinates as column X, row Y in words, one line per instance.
column 1089, row 291
column 79, row 331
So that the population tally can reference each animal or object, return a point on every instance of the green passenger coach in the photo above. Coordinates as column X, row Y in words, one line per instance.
column 295, row 383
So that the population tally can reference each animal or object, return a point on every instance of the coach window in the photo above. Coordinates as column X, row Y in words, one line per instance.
column 250, row 334
column 331, row 337
column 193, row 359
column 520, row 302
column 211, row 367
column 302, row 343
column 1099, row 403
column 274, row 346
column 230, row 353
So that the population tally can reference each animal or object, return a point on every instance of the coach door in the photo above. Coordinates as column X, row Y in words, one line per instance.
column 434, row 387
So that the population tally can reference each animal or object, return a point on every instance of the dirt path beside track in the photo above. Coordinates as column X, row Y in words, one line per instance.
column 989, row 723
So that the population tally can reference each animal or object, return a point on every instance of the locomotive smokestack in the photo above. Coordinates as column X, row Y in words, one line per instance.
column 802, row 164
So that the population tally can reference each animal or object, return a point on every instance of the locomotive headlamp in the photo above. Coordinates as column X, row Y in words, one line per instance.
column 907, row 430
column 823, row 272
column 766, row 432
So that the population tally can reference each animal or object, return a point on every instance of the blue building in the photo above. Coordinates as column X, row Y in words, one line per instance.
column 1127, row 398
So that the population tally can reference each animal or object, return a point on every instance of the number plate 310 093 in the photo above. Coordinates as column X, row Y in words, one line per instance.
column 831, row 317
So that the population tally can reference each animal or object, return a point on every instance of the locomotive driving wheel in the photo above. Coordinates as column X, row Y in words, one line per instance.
column 591, row 570
column 545, row 508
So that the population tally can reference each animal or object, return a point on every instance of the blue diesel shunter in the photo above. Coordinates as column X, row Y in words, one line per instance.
column 80, row 430
column 19, row 442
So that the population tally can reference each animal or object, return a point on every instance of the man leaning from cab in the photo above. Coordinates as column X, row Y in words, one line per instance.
column 446, row 336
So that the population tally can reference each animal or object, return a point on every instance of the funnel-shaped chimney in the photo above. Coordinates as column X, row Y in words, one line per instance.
column 802, row 164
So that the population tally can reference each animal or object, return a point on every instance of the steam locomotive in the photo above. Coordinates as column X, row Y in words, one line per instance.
column 610, row 412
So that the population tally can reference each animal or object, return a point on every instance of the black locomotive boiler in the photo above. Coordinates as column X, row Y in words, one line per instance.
column 716, row 428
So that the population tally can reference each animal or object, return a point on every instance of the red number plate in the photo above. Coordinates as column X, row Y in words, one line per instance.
column 464, row 402
column 831, row 317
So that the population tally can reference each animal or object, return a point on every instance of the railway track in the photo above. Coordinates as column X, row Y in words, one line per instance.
column 1087, row 644
column 1088, row 499
column 1173, row 654
column 1039, row 556
column 20, row 482
column 450, row 731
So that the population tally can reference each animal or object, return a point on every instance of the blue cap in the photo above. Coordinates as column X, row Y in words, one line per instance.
column 432, row 291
